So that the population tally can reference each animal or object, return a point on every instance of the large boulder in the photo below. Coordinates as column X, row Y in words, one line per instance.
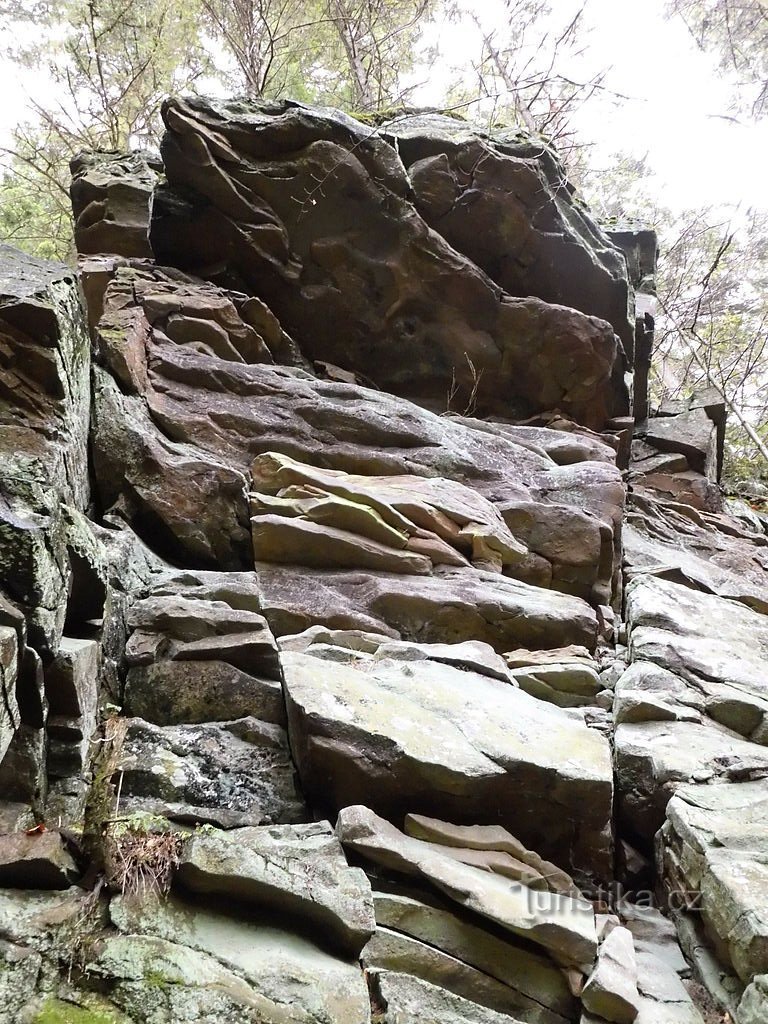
column 310, row 210
column 427, row 737
column 504, row 201
column 111, row 194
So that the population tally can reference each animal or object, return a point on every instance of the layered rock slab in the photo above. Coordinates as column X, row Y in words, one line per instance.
column 44, row 409
column 298, row 870
column 453, row 744
column 712, row 847
column 562, row 925
column 691, row 706
column 359, row 255
column 283, row 975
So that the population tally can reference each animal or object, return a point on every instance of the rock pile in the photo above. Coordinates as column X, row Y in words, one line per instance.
column 366, row 654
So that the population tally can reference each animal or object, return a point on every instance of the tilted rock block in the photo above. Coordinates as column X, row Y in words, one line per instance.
column 562, row 925
column 111, row 194
column 452, row 744
column 297, row 870
column 37, row 861
column 610, row 991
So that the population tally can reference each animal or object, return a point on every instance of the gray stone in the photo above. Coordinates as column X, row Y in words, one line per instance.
column 298, row 870
column 228, row 774
column 610, row 991
column 10, row 717
column 44, row 420
column 287, row 973
column 542, row 991
column 408, row 1000
column 454, row 745
column 563, row 925
column 713, row 847
column 36, row 861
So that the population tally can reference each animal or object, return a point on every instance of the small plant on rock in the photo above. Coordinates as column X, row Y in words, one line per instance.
column 140, row 859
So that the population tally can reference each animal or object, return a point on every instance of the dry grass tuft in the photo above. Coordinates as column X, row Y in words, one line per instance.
column 140, row 862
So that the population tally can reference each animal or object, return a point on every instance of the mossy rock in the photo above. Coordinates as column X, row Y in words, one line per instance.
column 57, row 1011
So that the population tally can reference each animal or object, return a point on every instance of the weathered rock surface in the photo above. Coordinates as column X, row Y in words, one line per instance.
column 610, row 991
column 563, row 925
column 408, row 1000
column 712, row 847
column 507, row 205
column 282, row 975
column 36, row 861
column 228, row 774
column 44, row 412
column 339, row 263
column 537, row 988
column 242, row 589
column 111, row 195
column 298, row 870
column 451, row 606
column 451, row 744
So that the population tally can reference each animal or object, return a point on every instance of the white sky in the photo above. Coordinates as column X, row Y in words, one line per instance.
column 698, row 157
column 677, row 94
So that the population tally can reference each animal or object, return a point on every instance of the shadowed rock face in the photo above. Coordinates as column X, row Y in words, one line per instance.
column 111, row 193
column 506, row 203
column 315, row 213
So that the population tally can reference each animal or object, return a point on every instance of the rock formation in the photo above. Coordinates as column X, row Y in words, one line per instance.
column 367, row 651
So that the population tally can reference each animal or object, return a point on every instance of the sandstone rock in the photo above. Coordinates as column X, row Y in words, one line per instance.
column 654, row 758
column 296, row 541
column 290, row 977
column 174, row 693
column 297, row 870
column 753, row 1006
column 713, row 845
column 111, row 194
column 492, row 839
column 72, row 690
column 37, row 861
column 543, row 996
column 409, row 1000
column 192, row 505
column 158, row 980
column 451, row 744
column 692, row 434
column 222, row 413
column 663, row 997
column 19, row 972
column 563, row 925
column 519, row 355
column 654, row 935
column 671, row 625
column 391, row 952
column 610, row 991
column 229, row 774
column 500, row 201
column 370, row 521
column 451, row 606
column 660, row 540
column 10, row 718
column 44, row 389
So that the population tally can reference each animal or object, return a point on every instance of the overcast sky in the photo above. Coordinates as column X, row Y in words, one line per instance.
column 678, row 107
column 676, row 113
